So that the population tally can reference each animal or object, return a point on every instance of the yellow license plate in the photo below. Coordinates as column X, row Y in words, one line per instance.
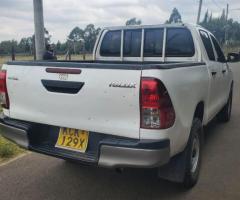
column 72, row 139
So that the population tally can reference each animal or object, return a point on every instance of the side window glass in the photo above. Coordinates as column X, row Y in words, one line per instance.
column 132, row 43
column 208, row 45
column 221, row 57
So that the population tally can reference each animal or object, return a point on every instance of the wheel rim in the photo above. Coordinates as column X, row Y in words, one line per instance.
column 195, row 153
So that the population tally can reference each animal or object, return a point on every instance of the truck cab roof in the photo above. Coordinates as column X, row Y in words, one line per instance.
column 172, row 25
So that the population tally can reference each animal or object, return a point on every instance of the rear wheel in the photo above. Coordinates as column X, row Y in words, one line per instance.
column 193, row 153
column 225, row 113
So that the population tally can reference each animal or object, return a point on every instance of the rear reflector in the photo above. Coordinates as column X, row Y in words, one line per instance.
column 157, row 111
column 4, row 100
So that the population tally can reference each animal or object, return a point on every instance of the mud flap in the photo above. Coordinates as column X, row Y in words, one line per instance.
column 175, row 169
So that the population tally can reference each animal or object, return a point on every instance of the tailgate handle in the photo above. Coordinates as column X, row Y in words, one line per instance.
column 67, row 87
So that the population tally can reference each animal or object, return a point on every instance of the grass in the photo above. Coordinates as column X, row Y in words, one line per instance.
column 4, row 59
column 8, row 149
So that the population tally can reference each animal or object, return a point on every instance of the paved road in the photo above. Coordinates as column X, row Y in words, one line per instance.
column 40, row 177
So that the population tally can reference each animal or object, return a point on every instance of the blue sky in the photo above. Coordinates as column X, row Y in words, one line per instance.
column 16, row 16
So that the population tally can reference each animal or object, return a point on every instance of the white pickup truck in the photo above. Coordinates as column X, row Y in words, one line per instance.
column 142, row 102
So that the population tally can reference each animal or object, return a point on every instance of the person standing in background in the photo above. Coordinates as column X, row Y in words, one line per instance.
column 49, row 54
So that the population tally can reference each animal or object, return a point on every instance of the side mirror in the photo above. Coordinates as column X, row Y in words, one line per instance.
column 233, row 57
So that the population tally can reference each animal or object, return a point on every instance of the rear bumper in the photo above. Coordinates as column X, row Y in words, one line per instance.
column 114, row 157
column 16, row 133
column 111, row 153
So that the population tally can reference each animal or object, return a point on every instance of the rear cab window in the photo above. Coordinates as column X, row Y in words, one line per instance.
column 132, row 43
column 153, row 42
column 111, row 44
column 148, row 44
column 179, row 43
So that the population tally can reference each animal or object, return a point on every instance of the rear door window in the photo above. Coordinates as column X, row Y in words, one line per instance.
column 179, row 43
column 153, row 42
column 132, row 43
column 111, row 44
column 208, row 45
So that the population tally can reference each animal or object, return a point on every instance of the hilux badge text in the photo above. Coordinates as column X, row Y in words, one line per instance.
column 122, row 85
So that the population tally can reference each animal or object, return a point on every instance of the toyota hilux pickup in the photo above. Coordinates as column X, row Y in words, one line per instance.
column 142, row 101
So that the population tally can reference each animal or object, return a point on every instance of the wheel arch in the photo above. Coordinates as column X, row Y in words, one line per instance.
column 199, row 111
column 232, row 85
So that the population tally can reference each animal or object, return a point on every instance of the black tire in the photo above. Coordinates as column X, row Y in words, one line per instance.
column 225, row 114
column 193, row 153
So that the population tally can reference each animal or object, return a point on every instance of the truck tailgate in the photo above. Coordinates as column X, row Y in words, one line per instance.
column 106, row 103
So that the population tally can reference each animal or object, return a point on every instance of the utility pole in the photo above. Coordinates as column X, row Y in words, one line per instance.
column 39, row 29
column 226, row 26
column 199, row 11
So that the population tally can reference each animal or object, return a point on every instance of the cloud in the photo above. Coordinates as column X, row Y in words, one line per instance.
column 16, row 16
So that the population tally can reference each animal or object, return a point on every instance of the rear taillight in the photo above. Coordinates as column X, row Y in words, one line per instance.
column 4, row 100
column 157, row 111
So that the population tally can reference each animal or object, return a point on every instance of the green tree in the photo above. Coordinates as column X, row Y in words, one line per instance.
column 133, row 21
column 206, row 17
column 223, row 16
column 60, row 48
column 226, row 31
column 6, row 46
column 25, row 45
column 76, row 34
column 175, row 17
column 90, row 36
column 83, row 39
